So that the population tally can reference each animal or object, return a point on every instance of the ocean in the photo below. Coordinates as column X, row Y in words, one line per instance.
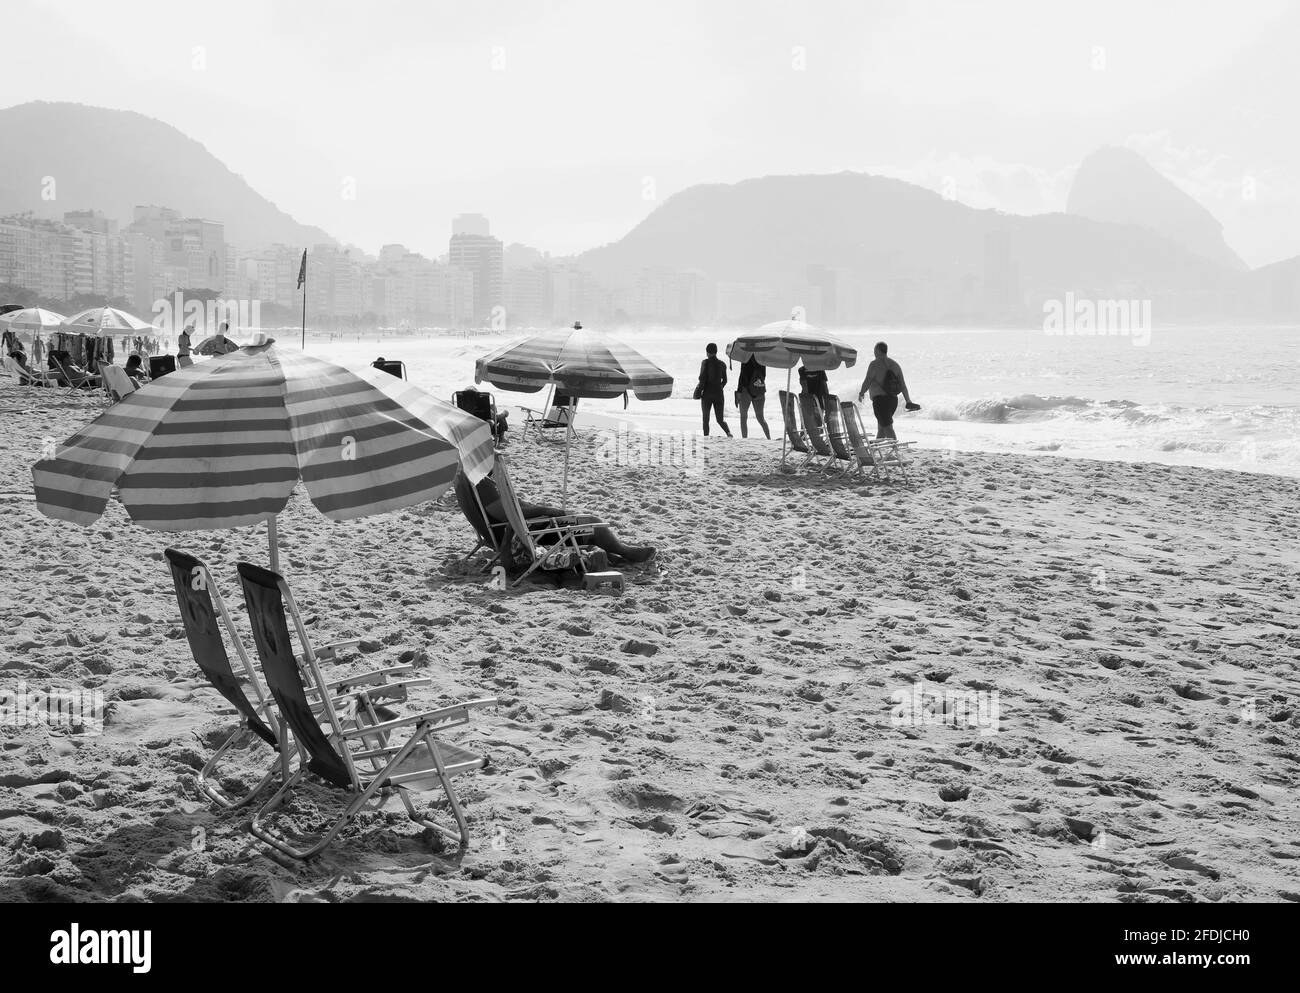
column 1222, row 397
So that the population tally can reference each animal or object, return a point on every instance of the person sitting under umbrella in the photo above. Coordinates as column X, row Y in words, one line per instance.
column 603, row 537
column 68, row 372
column 135, row 369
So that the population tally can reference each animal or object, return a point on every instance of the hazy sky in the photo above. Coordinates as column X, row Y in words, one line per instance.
column 566, row 121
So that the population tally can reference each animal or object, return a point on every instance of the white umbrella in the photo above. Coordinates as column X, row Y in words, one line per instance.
column 31, row 319
column 106, row 321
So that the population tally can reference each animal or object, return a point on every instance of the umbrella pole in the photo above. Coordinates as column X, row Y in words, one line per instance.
column 564, row 488
column 273, row 543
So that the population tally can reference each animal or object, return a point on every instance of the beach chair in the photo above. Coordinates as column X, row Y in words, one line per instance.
column 883, row 455
column 837, row 436
column 815, row 428
column 481, row 405
column 793, row 428
column 25, row 376
column 161, row 365
column 116, row 382
column 69, row 378
column 394, row 367
column 561, row 413
column 490, row 534
column 337, row 753
column 549, row 543
column 204, row 614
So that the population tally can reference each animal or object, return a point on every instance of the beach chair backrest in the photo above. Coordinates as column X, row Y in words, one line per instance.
column 118, row 382
column 394, row 367
column 793, row 429
column 203, row 629
column 467, row 499
column 510, row 504
column 161, row 365
column 856, row 431
column 264, row 595
column 563, row 409
column 813, row 426
column 835, row 429
column 474, row 402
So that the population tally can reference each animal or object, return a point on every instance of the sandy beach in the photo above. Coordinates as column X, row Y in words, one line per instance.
column 748, row 721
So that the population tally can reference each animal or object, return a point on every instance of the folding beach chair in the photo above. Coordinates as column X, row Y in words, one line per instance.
column 201, row 604
column 837, row 435
column 336, row 752
column 883, row 455
column 561, row 413
column 25, row 376
column 793, row 429
column 72, row 380
column 117, row 382
column 481, row 405
column 552, row 544
column 394, row 367
column 815, row 428
column 490, row 534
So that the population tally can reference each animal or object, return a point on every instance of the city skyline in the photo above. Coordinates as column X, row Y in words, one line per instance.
column 513, row 129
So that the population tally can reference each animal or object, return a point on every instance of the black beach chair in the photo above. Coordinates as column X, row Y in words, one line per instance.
column 422, row 762
column 481, row 405
column 161, row 365
column 394, row 367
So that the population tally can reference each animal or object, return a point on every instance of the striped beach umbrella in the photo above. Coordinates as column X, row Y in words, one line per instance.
column 106, row 321
column 578, row 362
column 784, row 344
column 223, row 444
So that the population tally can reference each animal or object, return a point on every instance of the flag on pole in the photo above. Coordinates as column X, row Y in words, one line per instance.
column 302, row 270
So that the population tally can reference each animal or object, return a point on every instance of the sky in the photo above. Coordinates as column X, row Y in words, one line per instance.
column 568, row 122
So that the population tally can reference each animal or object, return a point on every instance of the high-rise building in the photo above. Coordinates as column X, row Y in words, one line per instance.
column 474, row 250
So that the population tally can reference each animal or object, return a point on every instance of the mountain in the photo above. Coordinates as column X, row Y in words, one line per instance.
column 1119, row 186
column 112, row 160
column 885, row 231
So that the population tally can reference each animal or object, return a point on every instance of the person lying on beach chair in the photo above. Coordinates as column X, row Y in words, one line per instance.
column 601, row 535
column 69, row 373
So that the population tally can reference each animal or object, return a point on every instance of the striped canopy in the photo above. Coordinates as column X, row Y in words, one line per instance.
column 106, row 319
column 784, row 344
column 222, row 445
column 577, row 361
column 31, row 319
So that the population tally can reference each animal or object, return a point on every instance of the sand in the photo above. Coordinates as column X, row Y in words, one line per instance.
column 728, row 729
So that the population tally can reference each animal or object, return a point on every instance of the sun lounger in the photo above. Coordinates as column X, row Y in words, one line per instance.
column 562, row 412
column 793, row 429
column 117, row 382
column 815, row 428
column 336, row 753
column 837, row 436
column 549, row 543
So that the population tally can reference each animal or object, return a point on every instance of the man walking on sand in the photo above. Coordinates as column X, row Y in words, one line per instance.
column 883, row 382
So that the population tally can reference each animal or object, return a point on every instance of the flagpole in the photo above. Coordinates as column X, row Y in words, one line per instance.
column 304, row 301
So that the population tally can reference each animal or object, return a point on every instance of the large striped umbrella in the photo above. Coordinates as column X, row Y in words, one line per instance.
column 784, row 344
column 222, row 445
column 579, row 362
column 105, row 321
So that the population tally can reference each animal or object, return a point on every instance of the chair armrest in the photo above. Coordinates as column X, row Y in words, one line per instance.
column 435, row 717
column 331, row 651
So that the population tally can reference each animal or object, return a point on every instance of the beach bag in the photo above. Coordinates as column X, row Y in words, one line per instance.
column 893, row 385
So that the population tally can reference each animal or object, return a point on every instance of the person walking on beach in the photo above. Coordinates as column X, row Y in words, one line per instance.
column 751, row 391
column 713, row 377
column 183, row 347
column 883, row 383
